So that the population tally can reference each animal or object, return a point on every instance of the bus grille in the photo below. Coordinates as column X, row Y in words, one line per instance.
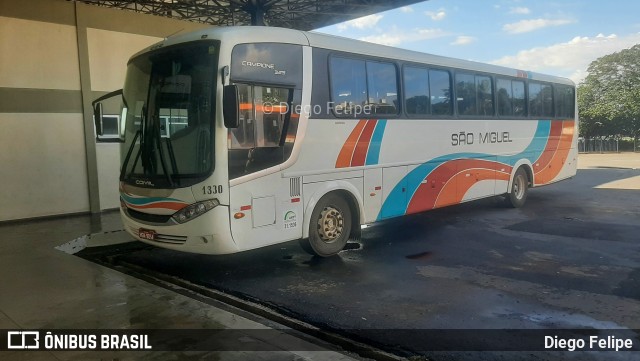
column 165, row 238
column 146, row 217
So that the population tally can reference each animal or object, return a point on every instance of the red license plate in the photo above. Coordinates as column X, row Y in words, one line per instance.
column 147, row 234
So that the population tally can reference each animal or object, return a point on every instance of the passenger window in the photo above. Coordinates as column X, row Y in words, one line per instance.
column 427, row 92
column 440, row 90
column 518, row 100
column 505, row 97
column 362, row 88
column 535, row 104
column 510, row 97
column 348, row 86
column 475, row 94
column 466, row 94
column 485, row 95
column 565, row 102
column 382, row 88
column 540, row 100
column 416, row 88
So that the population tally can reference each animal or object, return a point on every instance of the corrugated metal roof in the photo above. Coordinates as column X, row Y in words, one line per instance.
column 293, row 14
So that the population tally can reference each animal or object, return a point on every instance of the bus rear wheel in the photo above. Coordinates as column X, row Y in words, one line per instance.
column 517, row 195
column 329, row 228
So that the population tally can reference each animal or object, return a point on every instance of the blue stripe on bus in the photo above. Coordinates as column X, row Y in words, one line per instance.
column 373, row 154
column 141, row 201
column 402, row 193
column 535, row 148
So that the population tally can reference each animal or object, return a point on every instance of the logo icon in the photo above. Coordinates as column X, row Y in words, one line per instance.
column 290, row 220
column 23, row 340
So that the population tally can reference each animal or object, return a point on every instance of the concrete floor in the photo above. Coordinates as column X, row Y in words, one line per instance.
column 45, row 288
column 609, row 160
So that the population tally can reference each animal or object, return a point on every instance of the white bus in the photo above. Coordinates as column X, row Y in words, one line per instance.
column 283, row 135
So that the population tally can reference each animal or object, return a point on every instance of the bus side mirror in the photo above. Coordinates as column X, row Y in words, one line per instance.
column 97, row 118
column 231, row 106
column 108, row 123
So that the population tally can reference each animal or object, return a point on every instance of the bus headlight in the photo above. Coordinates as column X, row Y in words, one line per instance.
column 195, row 210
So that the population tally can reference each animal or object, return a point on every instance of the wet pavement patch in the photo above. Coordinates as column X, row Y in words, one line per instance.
column 421, row 255
column 570, row 227
column 352, row 246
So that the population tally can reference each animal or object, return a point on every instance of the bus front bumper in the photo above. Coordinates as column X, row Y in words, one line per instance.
column 209, row 233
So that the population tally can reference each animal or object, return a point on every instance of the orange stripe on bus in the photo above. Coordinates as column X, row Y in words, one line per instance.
column 344, row 157
column 550, row 149
column 360, row 153
column 553, row 168
column 457, row 187
column 163, row 205
column 440, row 186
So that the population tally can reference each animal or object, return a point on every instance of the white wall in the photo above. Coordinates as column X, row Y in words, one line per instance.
column 36, row 54
column 109, row 52
column 43, row 165
column 42, row 156
column 46, row 165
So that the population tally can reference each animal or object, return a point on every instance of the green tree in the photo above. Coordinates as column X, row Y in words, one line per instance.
column 609, row 97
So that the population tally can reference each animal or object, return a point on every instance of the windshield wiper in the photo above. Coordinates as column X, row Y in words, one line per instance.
column 172, row 156
column 163, row 162
column 126, row 159
column 133, row 145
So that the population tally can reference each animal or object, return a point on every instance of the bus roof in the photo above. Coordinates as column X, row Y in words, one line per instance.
column 246, row 34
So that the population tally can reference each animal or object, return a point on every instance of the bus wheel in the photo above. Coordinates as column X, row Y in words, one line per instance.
column 519, row 189
column 329, row 228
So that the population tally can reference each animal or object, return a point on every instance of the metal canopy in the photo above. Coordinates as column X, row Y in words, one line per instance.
column 294, row 14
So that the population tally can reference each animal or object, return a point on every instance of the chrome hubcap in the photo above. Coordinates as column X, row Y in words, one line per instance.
column 330, row 224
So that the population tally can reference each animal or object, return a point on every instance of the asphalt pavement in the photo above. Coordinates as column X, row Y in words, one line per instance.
column 569, row 259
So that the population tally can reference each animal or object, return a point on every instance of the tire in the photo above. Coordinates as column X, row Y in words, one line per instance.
column 519, row 190
column 329, row 227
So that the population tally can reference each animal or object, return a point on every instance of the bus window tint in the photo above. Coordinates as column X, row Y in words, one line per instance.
column 518, row 99
column 484, row 95
column 416, row 88
column 466, row 94
column 505, row 96
column 535, row 105
column 475, row 94
column 511, row 98
column 273, row 104
column 382, row 88
column 243, row 137
column 565, row 101
column 440, row 90
column 348, row 85
column 540, row 100
column 262, row 114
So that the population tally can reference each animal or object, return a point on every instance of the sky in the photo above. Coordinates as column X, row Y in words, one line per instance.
column 560, row 37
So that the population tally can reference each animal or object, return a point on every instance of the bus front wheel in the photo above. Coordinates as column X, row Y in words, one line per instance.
column 519, row 189
column 329, row 228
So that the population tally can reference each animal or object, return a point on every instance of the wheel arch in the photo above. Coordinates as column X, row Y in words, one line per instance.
column 528, row 168
column 345, row 190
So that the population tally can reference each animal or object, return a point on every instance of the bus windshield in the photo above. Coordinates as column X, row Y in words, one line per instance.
column 168, row 110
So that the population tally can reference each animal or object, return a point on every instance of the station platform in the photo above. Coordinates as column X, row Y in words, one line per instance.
column 44, row 288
